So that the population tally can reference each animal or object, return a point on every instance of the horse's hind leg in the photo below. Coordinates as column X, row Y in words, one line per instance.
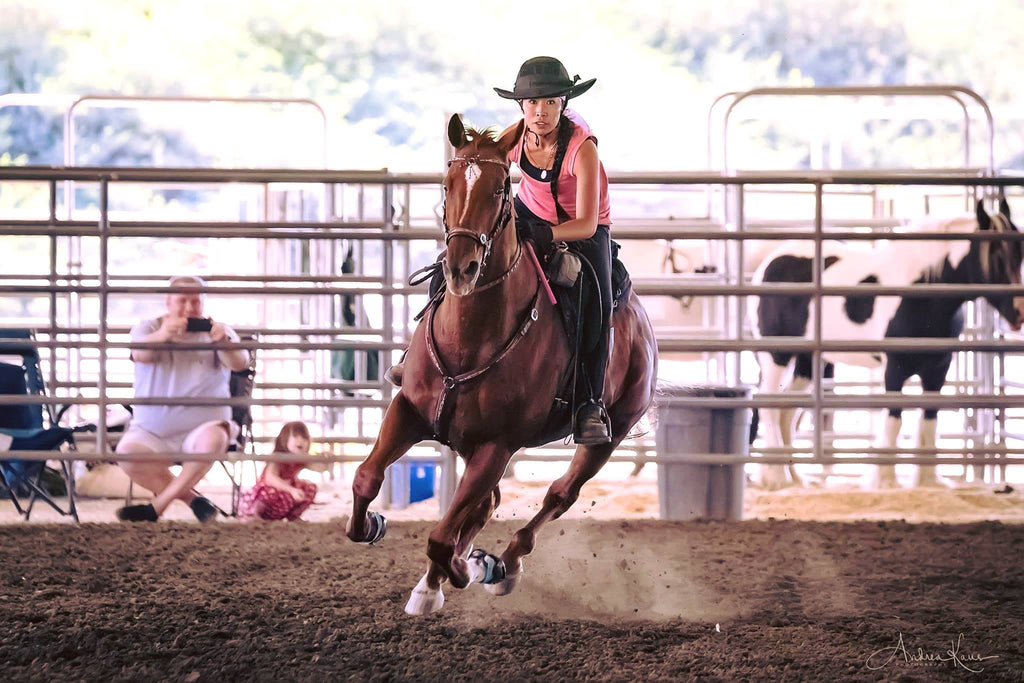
column 471, row 506
column 586, row 462
column 803, row 370
column 828, row 419
column 401, row 430
column 777, row 432
column 897, row 372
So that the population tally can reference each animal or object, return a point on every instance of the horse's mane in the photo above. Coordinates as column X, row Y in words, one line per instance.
column 483, row 138
column 930, row 255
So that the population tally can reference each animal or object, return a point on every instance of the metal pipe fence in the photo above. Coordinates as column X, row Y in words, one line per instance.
column 395, row 230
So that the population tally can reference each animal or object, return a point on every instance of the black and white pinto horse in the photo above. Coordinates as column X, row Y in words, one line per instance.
column 891, row 263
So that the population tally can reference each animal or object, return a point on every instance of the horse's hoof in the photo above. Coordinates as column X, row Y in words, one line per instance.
column 484, row 567
column 376, row 527
column 424, row 600
column 507, row 584
column 929, row 478
column 773, row 478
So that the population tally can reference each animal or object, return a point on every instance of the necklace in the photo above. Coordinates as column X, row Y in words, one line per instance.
column 551, row 154
column 544, row 172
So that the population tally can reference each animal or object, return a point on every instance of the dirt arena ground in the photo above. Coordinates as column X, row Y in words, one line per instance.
column 601, row 599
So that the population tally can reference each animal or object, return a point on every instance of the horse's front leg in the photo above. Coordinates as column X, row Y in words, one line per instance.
column 932, row 381
column 427, row 597
column 474, row 494
column 401, row 429
column 897, row 372
column 889, row 438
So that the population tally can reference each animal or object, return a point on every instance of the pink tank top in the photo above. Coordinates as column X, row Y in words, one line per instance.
column 536, row 194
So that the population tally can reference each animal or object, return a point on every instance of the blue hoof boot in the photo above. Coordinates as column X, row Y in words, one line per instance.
column 493, row 567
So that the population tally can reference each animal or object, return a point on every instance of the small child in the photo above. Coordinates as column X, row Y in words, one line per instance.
column 279, row 493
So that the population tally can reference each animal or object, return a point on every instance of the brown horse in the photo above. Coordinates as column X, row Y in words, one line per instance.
column 482, row 373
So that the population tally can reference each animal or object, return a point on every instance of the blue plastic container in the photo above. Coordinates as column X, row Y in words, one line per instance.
column 421, row 481
column 411, row 482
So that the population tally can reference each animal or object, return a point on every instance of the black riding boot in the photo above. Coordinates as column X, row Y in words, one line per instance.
column 592, row 424
column 394, row 373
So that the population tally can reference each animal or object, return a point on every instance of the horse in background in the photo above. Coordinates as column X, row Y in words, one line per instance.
column 892, row 263
column 485, row 371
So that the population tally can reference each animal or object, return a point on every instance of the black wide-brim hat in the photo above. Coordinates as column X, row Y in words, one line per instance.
column 545, row 77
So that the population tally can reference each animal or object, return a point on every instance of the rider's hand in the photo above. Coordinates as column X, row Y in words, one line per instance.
column 537, row 232
column 172, row 327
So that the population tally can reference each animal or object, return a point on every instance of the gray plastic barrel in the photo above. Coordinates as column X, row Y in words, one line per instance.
column 698, row 491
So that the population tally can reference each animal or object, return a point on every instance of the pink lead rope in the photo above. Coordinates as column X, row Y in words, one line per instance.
column 540, row 273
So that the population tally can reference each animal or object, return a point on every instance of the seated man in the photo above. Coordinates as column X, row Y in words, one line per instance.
column 168, row 372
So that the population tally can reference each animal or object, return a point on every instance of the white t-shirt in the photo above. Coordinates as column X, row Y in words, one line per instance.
column 185, row 373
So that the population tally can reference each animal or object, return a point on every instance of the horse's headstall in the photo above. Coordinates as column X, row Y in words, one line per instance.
column 504, row 215
column 477, row 160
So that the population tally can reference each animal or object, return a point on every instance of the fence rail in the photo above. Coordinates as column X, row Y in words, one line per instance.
column 393, row 232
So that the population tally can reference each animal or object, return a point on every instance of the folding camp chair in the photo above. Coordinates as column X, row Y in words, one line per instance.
column 240, row 384
column 24, row 426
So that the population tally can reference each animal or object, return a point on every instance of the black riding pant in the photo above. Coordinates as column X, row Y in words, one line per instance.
column 598, row 251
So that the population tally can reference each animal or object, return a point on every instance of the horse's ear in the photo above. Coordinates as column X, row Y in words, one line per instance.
column 508, row 140
column 1004, row 207
column 984, row 222
column 456, row 132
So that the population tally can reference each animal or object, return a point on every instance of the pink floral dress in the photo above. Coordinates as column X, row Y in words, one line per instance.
column 264, row 501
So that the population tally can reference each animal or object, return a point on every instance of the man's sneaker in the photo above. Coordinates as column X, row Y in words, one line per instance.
column 137, row 513
column 203, row 509
column 592, row 425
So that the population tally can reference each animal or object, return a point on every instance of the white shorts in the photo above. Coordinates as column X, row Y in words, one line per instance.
column 183, row 443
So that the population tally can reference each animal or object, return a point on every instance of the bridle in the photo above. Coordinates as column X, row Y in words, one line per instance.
column 504, row 215
column 451, row 382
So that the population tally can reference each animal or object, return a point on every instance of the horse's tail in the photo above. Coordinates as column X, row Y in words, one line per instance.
column 647, row 423
column 649, row 420
column 755, row 415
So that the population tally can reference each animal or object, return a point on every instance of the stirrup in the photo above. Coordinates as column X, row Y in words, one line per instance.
column 589, row 431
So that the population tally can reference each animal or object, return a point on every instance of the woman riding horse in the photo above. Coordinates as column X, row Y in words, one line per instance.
column 563, row 196
column 490, row 367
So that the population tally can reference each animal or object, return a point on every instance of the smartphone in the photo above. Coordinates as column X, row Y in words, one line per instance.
column 199, row 325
